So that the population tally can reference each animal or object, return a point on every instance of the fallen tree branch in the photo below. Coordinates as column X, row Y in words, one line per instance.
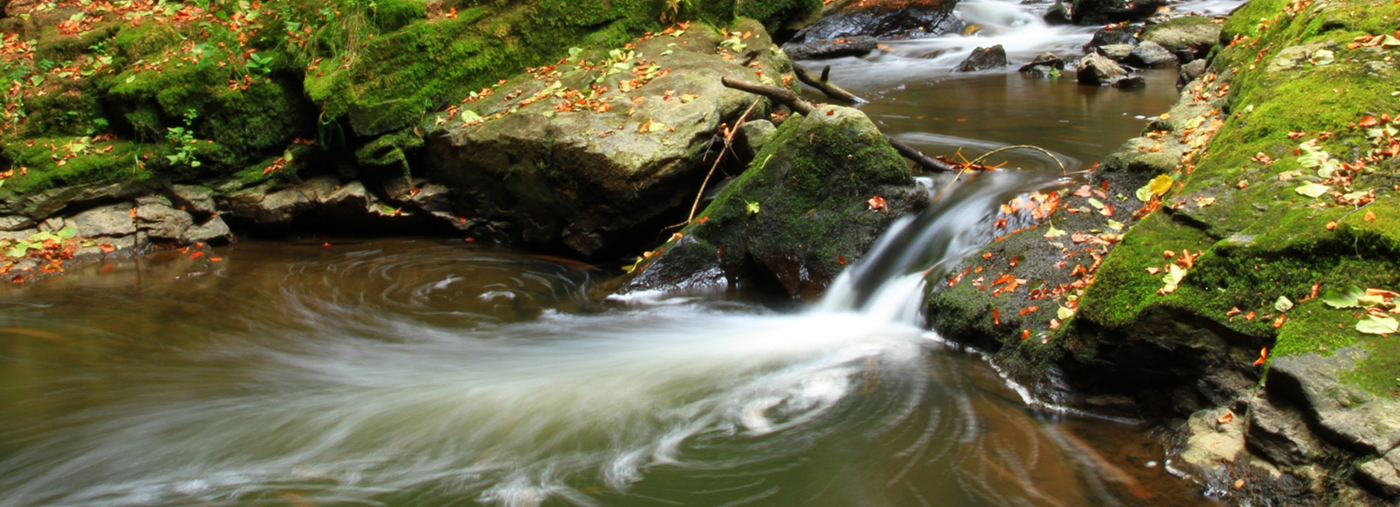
column 1005, row 148
column 800, row 106
column 806, row 75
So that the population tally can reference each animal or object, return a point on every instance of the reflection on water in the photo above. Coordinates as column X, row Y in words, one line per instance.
column 417, row 373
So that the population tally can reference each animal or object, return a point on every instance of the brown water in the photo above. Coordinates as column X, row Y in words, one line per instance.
column 409, row 372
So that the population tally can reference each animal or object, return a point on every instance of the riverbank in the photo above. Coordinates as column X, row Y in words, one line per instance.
column 1223, row 310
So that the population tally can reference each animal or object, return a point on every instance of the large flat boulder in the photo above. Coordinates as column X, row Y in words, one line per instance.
column 581, row 154
column 884, row 19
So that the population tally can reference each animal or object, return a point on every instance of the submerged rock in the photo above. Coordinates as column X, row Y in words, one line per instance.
column 883, row 18
column 984, row 59
column 1058, row 14
column 1045, row 65
column 584, row 177
column 1112, row 35
column 797, row 216
column 831, row 48
column 1095, row 70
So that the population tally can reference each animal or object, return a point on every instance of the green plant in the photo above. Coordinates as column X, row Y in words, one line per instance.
column 183, row 137
column 17, row 248
column 259, row 65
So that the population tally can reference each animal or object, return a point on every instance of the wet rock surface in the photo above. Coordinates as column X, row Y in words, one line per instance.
column 984, row 59
column 1102, row 12
column 1193, row 34
column 1095, row 70
column 1149, row 54
column 883, row 19
column 859, row 45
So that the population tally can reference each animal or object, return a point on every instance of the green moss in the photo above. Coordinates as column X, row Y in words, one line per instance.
column 95, row 165
column 777, row 15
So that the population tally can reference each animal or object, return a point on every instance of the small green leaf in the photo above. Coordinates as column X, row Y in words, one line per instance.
column 1313, row 190
column 470, row 117
column 1115, row 225
column 1283, row 304
column 287, row 155
column 1378, row 325
column 1097, row 204
column 1343, row 297
column 67, row 233
column 1053, row 232
column 752, row 207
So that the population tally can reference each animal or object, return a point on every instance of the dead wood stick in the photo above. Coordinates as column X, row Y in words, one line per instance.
column 800, row 106
column 806, row 75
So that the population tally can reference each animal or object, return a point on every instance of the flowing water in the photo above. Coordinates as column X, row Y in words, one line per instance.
column 408, row 372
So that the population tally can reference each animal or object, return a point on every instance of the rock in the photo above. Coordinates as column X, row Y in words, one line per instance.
column 1149, row 54
column 883, row 19
column 831, row 48
column 984, row 59
column 1280, row 435
column 1193, row 34
column 1045, row 60
column 52, row 224
column 1095, row 70
column 263, row 205
column 1130, row 82
column 797, row 216
column 1111, row 35
column 1381, row 474
column 1190, row 72
column 213, row 231
column 1348, row 416
column 43, row 204
column 1293, row 57
column 1210, row 443
column 1058, row 15
column 1115, row 52
column 758, row 133
column 160, row 221
column 577, row 180
column 15, row 223
column 1103, row 12
column 104, row 221
column 17, row 235
column 433, row 198
column 193, row 198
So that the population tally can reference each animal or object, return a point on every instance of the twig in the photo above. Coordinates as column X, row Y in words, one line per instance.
column 728, row 141
column 1005, row 148
column 806, row 75
column 800, row 106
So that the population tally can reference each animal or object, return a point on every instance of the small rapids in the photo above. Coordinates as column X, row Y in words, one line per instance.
column 416, row 373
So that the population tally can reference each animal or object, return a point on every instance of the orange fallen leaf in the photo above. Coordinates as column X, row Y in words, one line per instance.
column 106, row 248
column 1331, row 225
column 1082, row 192
column 1168, row 254
column 215, row 259
column 1370, row 216
column 878, row 203
column 1368, row 121
column 996, row 317
column 1249, row 316
column 1278, row 323
column 196, row 255
column 841, row 259
column 1234, row 311
column 1025, row 333
column 1263, row 356
column 1225, row 419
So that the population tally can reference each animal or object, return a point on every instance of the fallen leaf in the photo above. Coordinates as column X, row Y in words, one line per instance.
column 1370, row 216
column 878, row 203
column 1263, row 356
column 1313, row 190
column 841, row 259
column 1233, row 312
column 1283, row 304
column 1225, row 419
column 1082, row 192
column 1368, row 121
column 1249, row 316
column 1331, row 225
column 1155, row 188
column 1278, row 323
column 752, row 207
column 1343, row 297
column 996, row 317
column 1025, row 333
column 1378, row 325
column 106, row 248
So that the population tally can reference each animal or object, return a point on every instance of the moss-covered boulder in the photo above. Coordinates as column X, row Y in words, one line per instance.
column 581, row 153
column 815, row 199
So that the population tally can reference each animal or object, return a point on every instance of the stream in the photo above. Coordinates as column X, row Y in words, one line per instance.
column 429, row 372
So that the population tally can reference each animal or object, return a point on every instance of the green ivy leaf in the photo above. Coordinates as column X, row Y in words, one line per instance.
column 752, row 207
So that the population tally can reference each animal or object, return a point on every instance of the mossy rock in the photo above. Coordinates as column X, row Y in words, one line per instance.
column 797, row 216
